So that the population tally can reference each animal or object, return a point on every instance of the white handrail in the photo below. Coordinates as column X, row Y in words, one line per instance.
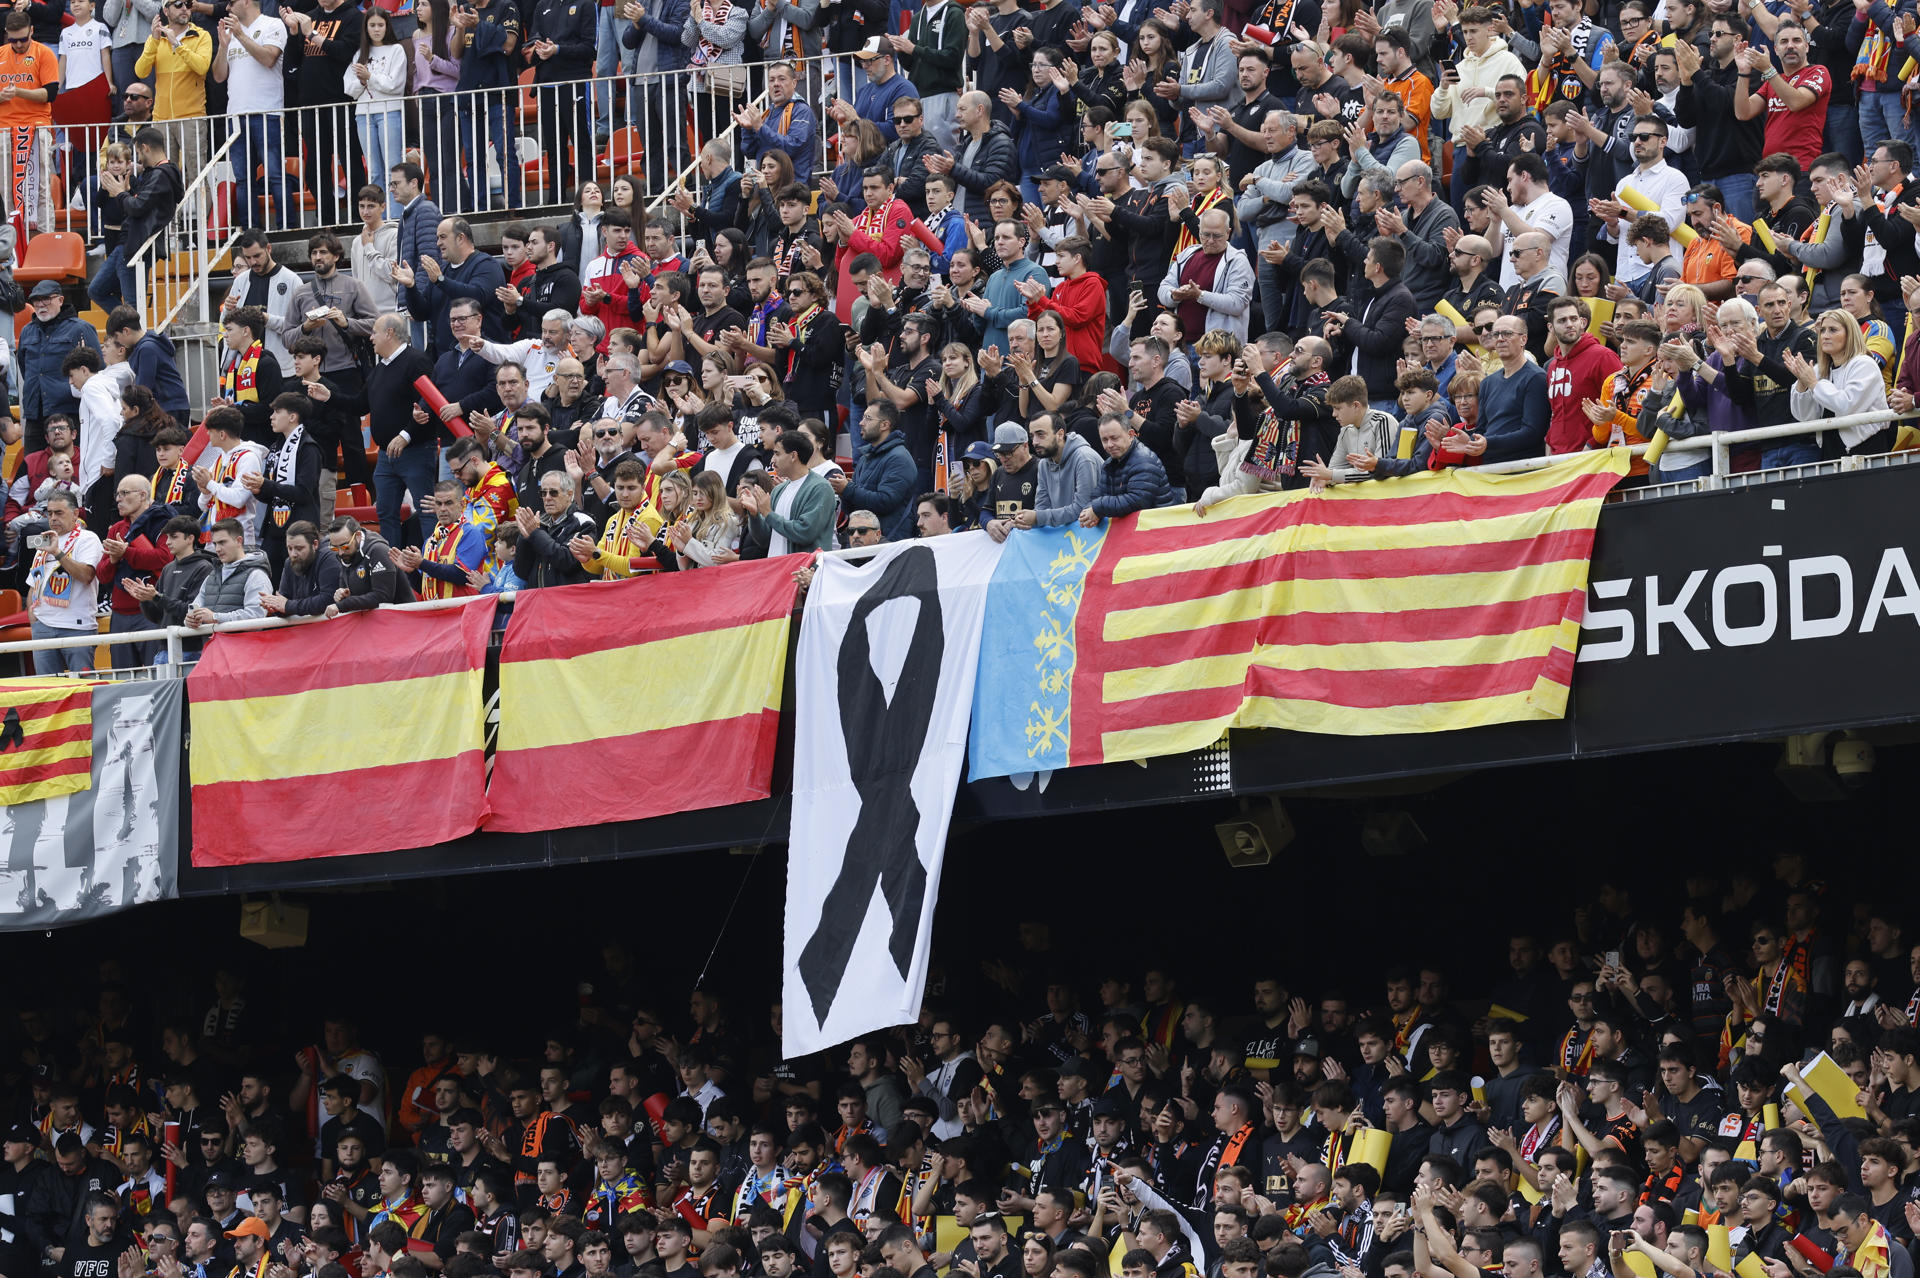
column 1721, row 442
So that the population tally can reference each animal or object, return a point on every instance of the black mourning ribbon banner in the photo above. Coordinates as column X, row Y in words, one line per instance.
column 884, row 741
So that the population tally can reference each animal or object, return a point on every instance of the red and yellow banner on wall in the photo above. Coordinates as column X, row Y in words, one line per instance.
column 634, row 699
column 46, row 739
column 353, row 736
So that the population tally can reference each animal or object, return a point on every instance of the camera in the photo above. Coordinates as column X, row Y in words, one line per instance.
column 40, row 541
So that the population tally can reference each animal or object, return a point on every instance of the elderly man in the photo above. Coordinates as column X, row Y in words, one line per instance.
column 1210, row 286
column 134, row 549
column 1421, row 227
column 544, row 557
column 395, row 417
column 539, row 356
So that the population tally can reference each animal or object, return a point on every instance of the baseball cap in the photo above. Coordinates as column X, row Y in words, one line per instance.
column 222, row 1180
column 1047, row 1104
column 680, row 366
column 1109, row 1107
column 978, row 450
column 23, row 1134
column 1076, row 1068
column 874, row 48
column 1008, row 436
column 251, row 1227
column 1057, row 173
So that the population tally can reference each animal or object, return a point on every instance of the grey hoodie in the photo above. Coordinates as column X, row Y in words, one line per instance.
column 1066, row 485
column 232, row 591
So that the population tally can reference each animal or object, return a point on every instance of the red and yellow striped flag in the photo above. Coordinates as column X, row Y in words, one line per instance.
column 46, row 739
column 339, row 738
column 634, row 699
column 1420, row 605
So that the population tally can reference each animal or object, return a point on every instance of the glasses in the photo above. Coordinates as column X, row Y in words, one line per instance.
column 605, row 434
column 905, row 119
column 1649, row 137
column 1483, row 328
column 1430, row 337
column 553, row 492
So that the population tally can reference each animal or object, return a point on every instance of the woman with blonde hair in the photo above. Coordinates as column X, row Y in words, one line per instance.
column 958, row 396
column 709, row 533
column 1846, row 380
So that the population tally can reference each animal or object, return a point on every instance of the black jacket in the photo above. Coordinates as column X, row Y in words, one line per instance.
column 309, row 591
column 149, row 206
column 1729, row 145
column 543, row 558
column 908, row 159
column 371, row 578
column 300, row 499
column 998, row 159
column 570, row 25
column 179, row 587
column 554, row 286
column 1377, row 329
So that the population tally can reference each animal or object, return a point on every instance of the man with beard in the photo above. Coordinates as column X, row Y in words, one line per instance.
column 904, row 386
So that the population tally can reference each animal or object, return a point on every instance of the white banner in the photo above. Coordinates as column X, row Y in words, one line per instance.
column 885, row 674
column 83, row 856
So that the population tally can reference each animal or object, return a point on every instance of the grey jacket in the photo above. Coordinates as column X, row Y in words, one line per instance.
column 130, row 20
column 1066, row 485
column 802, row 17
column 1264, row 204
column 231, row 592
column 1208, row 69
column 1229, row 301
column 1428, row 273
column 343, row 291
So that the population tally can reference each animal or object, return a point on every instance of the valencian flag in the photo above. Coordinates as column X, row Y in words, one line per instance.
column 619, row 684
column 1423, row 604
column 358, row 735
column 46, row 739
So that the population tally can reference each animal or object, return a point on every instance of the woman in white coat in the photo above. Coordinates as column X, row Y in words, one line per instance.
column 377, row 80
column 1845, row 381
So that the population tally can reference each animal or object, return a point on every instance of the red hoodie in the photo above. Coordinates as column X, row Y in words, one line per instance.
column 1082, row 304
column 1574, row 377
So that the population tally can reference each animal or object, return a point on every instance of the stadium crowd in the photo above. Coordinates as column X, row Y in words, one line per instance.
column 1643, row 1092
column 1039, row 266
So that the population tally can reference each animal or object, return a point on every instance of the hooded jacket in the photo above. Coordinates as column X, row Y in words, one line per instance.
column 882, row 482
column 1574, row 377
column 1066, row 484
column 155, row 366
column 43, row 387
column 309, row 590
column 179, row 587
column 149, row 206
column 371, row 578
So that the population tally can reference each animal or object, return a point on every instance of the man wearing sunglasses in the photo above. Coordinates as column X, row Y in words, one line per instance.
column 30, row 74
column 906, row 156
column 1651, row 177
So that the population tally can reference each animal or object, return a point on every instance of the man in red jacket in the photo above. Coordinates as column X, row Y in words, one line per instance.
column 1574, row 376
column 1081, row 301
column 134, row 550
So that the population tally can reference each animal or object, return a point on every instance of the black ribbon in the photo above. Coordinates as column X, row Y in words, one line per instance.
column 884, row 740
column 11, row 733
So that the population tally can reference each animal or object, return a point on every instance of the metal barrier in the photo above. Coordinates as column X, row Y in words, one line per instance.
column 520, row 149
column 1722, row 444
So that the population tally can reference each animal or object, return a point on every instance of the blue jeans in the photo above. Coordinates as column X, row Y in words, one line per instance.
column 125, row 58
column 610, row 56
column 440, row 151
column 1789, row 452
column 1736, row 191
column 475, row 148
column 1688, row 472
column 1882, row 119
column 383, row 140
column 129, row 656
column 114, row 283
column 260, row 147
column 51, row 661
column 416, row 470
column 1843, row 129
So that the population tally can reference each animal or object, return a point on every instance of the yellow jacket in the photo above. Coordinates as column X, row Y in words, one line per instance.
column 179, row 74
column 626, row 539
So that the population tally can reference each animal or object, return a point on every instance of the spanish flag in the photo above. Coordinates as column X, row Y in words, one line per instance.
column 654, row 695
column 46, row 739
column 358, row 735
column 1434, row 602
